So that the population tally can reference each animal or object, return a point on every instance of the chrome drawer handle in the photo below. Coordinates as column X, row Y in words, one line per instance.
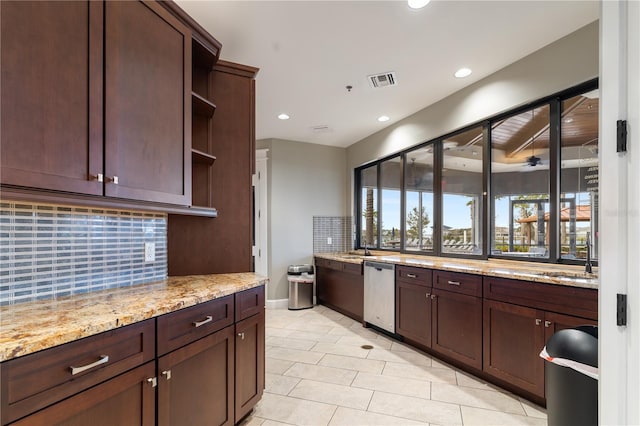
column 113, row 180
column 538, row 321
column 209, row 318
column 167, row 374
column 241, row 336
column 99, row 177
column 428, row 295
column 547, row 324
column 76, row 370
column 453, row 282
column 411, row 275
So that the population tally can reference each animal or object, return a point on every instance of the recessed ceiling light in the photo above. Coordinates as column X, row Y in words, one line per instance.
column 417, row 4
column 463, row 72
column 283, row 116
column 383, row 118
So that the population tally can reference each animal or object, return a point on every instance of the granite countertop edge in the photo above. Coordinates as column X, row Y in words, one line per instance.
column 511, row 269
column 30, row 327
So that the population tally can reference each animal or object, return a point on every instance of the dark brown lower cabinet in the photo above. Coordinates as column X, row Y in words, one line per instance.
column 457, row 327
column 513, row 339
column 195, row 382
column 413, row 312
column 128, row 399
column 249, row 368
column 340, row 285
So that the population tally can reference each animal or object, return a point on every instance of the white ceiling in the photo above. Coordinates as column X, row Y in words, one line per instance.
column 308, row 51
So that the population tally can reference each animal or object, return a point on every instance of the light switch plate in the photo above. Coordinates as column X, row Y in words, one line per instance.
column 149, row 252
column 329, row 241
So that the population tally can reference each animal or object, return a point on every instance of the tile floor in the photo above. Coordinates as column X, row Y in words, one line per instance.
column 318, row 374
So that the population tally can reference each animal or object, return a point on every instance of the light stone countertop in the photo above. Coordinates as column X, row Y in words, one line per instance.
column 30, row 327
column 568, row 275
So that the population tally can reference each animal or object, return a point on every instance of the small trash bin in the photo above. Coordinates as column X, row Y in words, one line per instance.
column 300, row 279
column 571, row 377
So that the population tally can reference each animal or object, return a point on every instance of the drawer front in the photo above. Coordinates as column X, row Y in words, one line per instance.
column 412, row 275
column 581, row 302
column 322, row 263
column 35, row 381
column 249, row 302
column 352, row 268
column 182, row 327
column 458, row 282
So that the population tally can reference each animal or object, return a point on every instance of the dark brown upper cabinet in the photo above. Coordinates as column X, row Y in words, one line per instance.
column 97, row 99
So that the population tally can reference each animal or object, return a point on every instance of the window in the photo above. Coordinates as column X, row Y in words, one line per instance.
column 369, row 209
column 520, row 184
column 579, row 176
column 418, row 188
column 462, row 188
column 391, row 181
column 538, row 165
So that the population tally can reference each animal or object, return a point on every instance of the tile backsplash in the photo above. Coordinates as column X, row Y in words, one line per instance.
column 49, row 251
column 336, row 228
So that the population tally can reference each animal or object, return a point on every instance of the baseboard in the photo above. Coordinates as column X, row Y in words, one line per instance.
column 277, row 304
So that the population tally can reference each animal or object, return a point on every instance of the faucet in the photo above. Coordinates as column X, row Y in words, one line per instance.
column 366, row 250
column 587, row 265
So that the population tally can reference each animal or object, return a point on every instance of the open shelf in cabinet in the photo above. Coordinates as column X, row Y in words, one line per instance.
column 202, row 106
column 202, row 157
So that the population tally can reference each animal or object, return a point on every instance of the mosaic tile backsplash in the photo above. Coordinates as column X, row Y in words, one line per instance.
column 49, row 251
column 338, row 228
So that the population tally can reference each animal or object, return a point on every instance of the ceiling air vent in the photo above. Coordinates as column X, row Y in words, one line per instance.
column 323, row 128
column 383, row 80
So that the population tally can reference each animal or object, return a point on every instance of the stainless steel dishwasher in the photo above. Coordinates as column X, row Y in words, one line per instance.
column 380, row 295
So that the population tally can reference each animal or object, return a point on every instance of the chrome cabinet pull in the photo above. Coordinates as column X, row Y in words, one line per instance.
column 167, row 374
column 547, row 324
column 241, row 336
column 411, row 276
column 428, row 295
column 453, row 282
column 76, row 370
column 153, row 381
column 99, row 177
column 538, row 321
column 433, row 296
column 113, row 180
column 208, row 318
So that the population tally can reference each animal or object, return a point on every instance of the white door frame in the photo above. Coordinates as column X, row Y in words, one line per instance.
column 261, row 224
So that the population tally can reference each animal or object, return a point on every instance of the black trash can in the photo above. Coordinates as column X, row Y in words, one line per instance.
column 571, row 377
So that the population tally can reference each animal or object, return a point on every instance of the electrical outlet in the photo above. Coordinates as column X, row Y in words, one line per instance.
column 149, row 252
column 329, row 241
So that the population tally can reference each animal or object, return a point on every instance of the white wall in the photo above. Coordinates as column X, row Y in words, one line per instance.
column 305, row 180
column 619, row 386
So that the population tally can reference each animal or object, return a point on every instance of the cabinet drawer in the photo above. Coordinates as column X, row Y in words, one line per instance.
column 458, row 282
column 249, row 302
column 182, row 327
column 352, row 268
column 35, row 381
column 581, row 302
column 412, row 275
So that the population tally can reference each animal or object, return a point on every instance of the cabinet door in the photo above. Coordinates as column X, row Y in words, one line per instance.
column 513, row 338
column 51, row 79
column 457, row 327
column 342, row 291
column 249, row 363
column 128, row 399
column 413, row 312
column 555, row 322
column 147, row 103
column 195, row 382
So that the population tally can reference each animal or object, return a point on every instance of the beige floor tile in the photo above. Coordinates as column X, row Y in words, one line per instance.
column 315, row 328
column 274, row 423
column 288, row 342
column 404, row 357
column 420, row 372
column 295, row 355
column 402, row 347
column 330, row 393
column 533, row 410
column 479, row 398
column 350, row 417
column 251, row 421
column 282, row 385
column 293, row 411
column 357, row 340
column 415, row 408
column 277, row 332
column 469, row 381
column 322, row 373
column 316, row 337
column 397, row 385
column 277, row 366
column 355, row 364
column 340, row 349
column 478, row 416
